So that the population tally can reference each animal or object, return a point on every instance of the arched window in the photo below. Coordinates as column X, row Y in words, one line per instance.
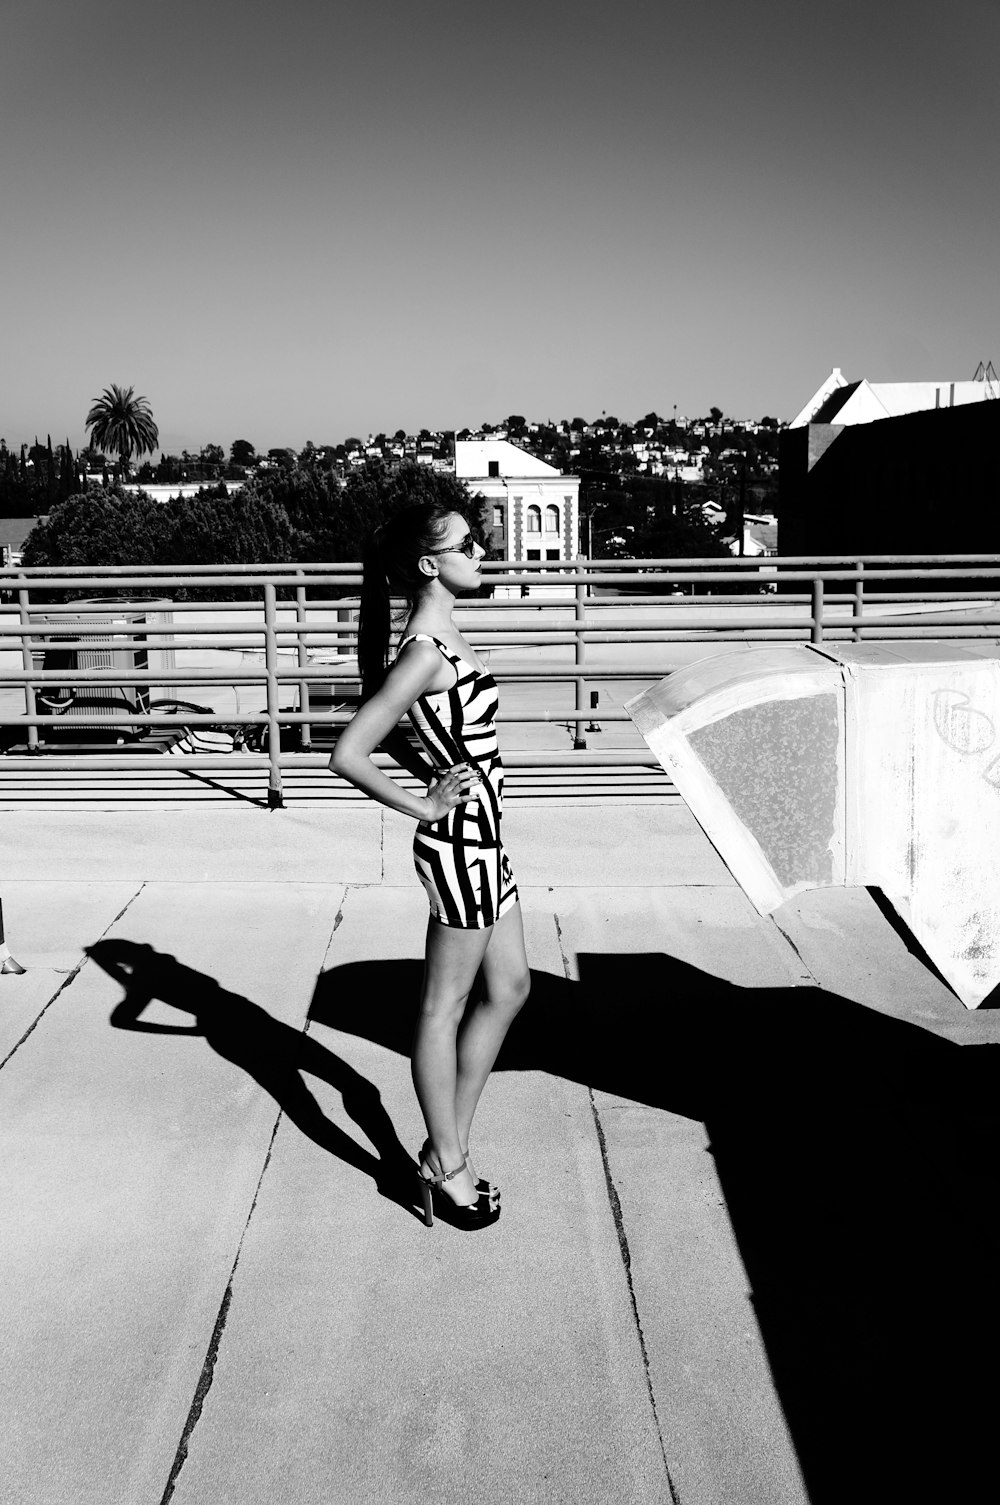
column 534, row 519
column 552, row 519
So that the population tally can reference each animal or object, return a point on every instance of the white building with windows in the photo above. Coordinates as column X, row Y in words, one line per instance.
column 536, row 509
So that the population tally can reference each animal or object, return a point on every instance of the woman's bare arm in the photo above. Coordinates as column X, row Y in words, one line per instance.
column 409, row 678
column 399, row 747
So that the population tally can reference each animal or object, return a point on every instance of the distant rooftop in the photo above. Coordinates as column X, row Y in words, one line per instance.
column 841, row 401
column 473, row 458
column 14, row 530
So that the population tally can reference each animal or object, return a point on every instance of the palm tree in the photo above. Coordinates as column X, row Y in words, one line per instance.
column 122, row 422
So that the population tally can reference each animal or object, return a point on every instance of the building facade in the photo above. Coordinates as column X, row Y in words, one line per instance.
column 534, row 508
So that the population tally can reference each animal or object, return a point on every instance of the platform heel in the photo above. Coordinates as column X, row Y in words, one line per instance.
column 478, row 1214
column 483, row 1187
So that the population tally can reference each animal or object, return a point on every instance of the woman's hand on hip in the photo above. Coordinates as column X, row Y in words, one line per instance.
column 453, row 787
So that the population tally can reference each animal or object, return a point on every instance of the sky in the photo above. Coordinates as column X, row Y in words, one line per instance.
column 307, row 220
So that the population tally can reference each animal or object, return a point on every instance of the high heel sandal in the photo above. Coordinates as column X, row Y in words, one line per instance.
column 486, row 1188
column 483, row 1187
column 478, row 1214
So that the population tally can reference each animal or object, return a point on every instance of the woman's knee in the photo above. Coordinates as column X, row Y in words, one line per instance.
column 442, row 1011
column 512, row 994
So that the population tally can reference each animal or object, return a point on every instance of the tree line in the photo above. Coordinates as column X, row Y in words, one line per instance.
column 36, row 478
column 313, row 507
column 296, row 515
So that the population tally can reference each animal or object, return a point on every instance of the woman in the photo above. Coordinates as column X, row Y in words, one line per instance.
column 428, row 554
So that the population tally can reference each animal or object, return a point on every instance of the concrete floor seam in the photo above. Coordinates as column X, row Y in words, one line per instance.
column 806, row 975
column 67, row 981
column 616, row 1213
column 562, row 949
column 626, row 1256
column 207, row 1374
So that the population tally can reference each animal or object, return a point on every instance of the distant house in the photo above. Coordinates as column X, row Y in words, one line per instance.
column 760, row 537
column 13, row 532
column 535, row 507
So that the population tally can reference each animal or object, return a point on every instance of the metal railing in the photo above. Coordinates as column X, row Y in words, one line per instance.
column 69, row 663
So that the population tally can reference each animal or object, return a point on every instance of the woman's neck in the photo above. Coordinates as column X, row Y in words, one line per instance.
column 435, row 607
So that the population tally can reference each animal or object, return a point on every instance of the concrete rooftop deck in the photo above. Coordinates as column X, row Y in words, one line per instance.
column 749, row 1234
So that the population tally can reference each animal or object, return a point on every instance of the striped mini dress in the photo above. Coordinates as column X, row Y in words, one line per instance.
column 460, row 859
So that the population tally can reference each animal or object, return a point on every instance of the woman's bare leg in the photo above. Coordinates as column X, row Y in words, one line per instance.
column 453, row 958
column 506, row 984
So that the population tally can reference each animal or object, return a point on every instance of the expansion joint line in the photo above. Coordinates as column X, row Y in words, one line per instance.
column 207, row 1375
column 69, row 979
column 616, row 1213
column 806, row 977
column 619, row 1222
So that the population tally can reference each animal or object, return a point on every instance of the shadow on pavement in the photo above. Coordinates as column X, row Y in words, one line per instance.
column 274, row 1054
column 857, row 1155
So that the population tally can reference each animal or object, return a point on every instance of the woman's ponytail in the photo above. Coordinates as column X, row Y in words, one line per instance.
column 374, row 618
column 392, row 564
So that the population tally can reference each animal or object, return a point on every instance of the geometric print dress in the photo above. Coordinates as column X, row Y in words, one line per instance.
column 460, row 859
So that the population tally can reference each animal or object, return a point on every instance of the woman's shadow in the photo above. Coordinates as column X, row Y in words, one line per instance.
column 274, row 1054
column 856, row 1154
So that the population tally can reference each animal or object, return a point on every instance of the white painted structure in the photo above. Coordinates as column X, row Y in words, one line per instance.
column 167, row 491
column 535, row 507
column 867, row 764
column 841, row 401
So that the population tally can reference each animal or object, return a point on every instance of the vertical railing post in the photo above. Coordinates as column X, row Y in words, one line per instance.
column 301, row 622
column 816, row 633
column 274, row 799
column 859, row 598
column 27, row 662
column 580, row 622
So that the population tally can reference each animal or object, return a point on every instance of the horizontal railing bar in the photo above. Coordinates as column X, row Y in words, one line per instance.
column 179, row 720
column 488, row 635
column 331, row 566
column 99, row 637
column 97, row 610
column 103, row 762
column 81, row 678
column 95, row 621
column 160, row 636
column 112, row 676
column 189, row 638
column 124, row 719
column 896, row 630
column 637, row 572
column 315, row 674
column 553, row 634
column 114, row 571
column 93, row 616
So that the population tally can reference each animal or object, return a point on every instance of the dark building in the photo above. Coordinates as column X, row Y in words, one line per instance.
column 925, row 482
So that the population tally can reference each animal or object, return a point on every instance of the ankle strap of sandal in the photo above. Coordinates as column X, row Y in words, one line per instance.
column 446, row 1175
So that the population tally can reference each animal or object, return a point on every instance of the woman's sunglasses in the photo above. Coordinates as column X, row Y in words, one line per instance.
column 466, row 547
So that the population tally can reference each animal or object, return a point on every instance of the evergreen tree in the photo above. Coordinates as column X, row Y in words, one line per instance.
column 67, row 475
column 52, row 477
